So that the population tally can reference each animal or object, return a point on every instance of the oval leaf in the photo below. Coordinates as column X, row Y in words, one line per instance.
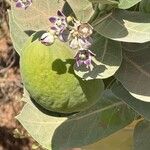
column 112, row 2
column 25, row 22
column 122, row 4
column 143, row 108
column 108, row 59
column 125, row 26
column 134, row 73
column 82, row 9
column 142, row 136
column 125, row 4
column 101, row 120
column 133, row 47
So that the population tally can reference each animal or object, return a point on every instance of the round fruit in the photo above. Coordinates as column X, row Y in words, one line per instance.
column 47, row 73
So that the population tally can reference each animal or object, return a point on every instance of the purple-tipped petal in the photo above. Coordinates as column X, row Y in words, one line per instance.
column 79, row 63
column 60, row 14
column 19, row 4
column 74, row 43
column 87, row 62
column 23, row 4
column 53, row 19
column 54, row 28
column 84, row 43
column 64, row 35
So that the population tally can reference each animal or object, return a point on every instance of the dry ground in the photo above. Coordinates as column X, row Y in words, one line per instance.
column 12, row 134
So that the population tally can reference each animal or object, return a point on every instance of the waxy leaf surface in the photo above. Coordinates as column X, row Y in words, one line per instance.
column 143, row 108
column 134, row 73
column 142, row 136
column 123, row 25
column 101, row 120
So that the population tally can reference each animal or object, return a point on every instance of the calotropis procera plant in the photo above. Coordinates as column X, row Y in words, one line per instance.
column 85, row 65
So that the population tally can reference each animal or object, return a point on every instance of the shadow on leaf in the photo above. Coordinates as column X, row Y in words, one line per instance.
column 62, row 67
column 29, row 32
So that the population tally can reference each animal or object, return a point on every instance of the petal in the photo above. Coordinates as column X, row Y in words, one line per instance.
column 74, row 43
column 59, row 13
column 47, row 38
column 87, row 62
column 91, row 53
column 77, row 55
column 79, row 63
column 53, row 28
column 53, row 19
column 19, row 4
column 64, row 35
column 84, row 43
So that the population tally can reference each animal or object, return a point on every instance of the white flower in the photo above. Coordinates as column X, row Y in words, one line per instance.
column 47, row 38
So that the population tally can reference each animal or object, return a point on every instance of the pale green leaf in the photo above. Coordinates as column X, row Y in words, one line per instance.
column 108, row 59
column 122, row 4
column 36, row 17
column 105, row 1
column 18, row 36
column 125, row 4
column 103, row 119
column 83, row 9
column 39, row 125
column 134, row 73
column 123, row 25
column 143, row 108
column 142, row 136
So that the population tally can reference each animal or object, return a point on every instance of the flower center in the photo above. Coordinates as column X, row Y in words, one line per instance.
column 83, row 56
column 85, row 30
column 59, row 22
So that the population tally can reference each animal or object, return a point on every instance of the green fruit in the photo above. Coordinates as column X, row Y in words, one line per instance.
column 47, row 73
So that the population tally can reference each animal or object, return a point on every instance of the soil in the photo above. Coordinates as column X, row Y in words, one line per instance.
column 12, row 134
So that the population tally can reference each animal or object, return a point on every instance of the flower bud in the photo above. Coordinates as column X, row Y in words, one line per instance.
column 23, row 3
column 47, row 38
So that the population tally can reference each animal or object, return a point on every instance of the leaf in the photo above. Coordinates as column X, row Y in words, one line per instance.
column 125, row 4
column 40, row 126
column 122, row 25
column 105, row 1
column 134, row 73
column 82, row 9
column 143, row 108
column 25, row 22
column 134, row 47
column 145, row 6
column 122, row 4
column 108, row 59
column 101, row 120
column 142, row 136
column 18, row 36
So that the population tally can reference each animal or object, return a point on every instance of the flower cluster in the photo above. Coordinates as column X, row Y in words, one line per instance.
column 76, row 33
column 23, row 3
column 68, row 29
